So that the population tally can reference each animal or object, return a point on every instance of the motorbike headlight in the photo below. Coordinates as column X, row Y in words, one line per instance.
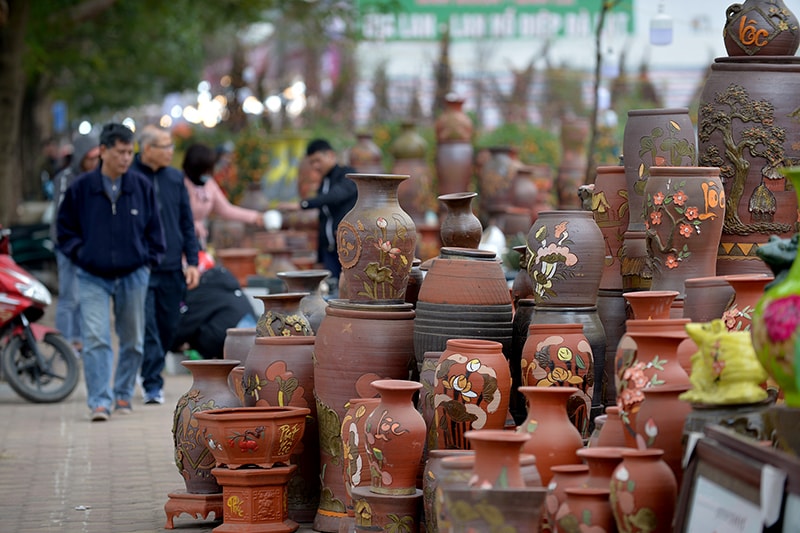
column 36, row 291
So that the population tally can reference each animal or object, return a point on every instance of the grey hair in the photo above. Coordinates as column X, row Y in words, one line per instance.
column 150, row 134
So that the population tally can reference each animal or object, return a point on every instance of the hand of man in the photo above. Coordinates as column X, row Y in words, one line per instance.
column 192, row 276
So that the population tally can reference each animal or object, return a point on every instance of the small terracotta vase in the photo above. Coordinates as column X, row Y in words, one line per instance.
column 748, row 290
column 610, row 211
column 643, row 485
column 612, row 433
column 238, row 342
column 282, row 316
column 313, row 304
column 209, row 390
column 761, row 28
column 564, row 477
column 472, row 386
column 376, row 240
column 649, row 305
column 241, row 262
column 497, row 458
column 454, row 166
column 559, row 355
column 280, row 260
column 706, row 298
column 453, row 124
column 395, row 436
column 355, row 466
column 660, row 422
column 566, row 252
column 586, row 509
column 365, row 156
column 460, row 227
column 409, row 150
column 554, row 439
column 602, row 460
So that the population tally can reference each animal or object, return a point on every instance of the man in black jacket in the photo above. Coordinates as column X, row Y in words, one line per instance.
column 336, row 196
column 170, row 280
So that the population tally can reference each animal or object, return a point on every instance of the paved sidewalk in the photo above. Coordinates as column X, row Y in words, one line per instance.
column 60, row 472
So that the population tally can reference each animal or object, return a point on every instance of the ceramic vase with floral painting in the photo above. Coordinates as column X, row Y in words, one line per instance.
column 376, row 242
column 644, row 492
column 684, row 209
column 313, row 304
column 747, row 291
column 660, row 422
column 610, row 210
column 564, row 477
column 355, row 465
column 559, row 355
column 282, row 316
column 472, row 386
column 585, row 509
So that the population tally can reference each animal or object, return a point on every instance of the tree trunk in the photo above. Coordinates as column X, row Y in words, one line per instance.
column 12, row 89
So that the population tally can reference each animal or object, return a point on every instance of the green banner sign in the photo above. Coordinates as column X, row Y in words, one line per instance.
column 415, row 20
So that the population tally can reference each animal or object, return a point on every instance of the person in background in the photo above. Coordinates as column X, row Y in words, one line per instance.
column 86, row 156
column 335, row 197
column 170, row 280
column 109, row 226
column 206, row 197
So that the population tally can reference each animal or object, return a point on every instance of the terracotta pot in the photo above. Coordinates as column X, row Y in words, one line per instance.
column 395, row 436
column 497, row 458
column 610, row 211
column 386, row 512
column 475, row 509
column 308, row 281
column 650, row 305
column 241, row 262
column 209, row 390
column 355, row 465
column 248, row 491
column 432, row 495
column 454, row 167
column 586, row 509
column 684, row 211
column 349, row 335
column 613, row 433
column 565, row 250
column 365, row 156
column 524, row 193
column 280, row 372
column 745, row 96
column 660, row 423
column 238, row 342
column 376, row 240
column 453, row 124
column 460, row 227
column 282, row 316
column 601, row 460
column 559, row 355
column 472, row 387
column 706, row 298
column 748, row 290
column 643, row 485
column 554, row 439
column 409, row 150
column 761, row 27
column 564, row 477
column 236, row 382
column 280, row 260
column 495, row 178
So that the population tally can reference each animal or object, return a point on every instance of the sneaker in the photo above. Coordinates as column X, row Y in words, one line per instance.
column 154, row 398
column 100, row 414
column 123, row 407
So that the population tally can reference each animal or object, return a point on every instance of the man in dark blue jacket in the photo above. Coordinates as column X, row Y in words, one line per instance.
column 170, row 280
column 109, row 226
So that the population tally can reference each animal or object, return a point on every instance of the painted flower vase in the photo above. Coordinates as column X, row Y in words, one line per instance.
column 684, row 209
column 472, row 386
column 559, row 355
column 395, row 435
column 660, row 422
column 460, row 227
column 313, row 304
column 644, row 492
column 565, row 258
column 554, row 440
column 610, row 211
column 747, row 291
column 761, row 28
column 376, row 242
column 564, row 477
column 209, row 390
column 585, row 509
column 497, row 458
column 282, row 316
column 355, row 465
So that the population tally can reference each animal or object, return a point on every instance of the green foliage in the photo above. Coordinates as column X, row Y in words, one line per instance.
column 533, row 144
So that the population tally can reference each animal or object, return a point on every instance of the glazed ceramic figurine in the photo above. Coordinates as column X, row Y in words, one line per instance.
column 725, row 370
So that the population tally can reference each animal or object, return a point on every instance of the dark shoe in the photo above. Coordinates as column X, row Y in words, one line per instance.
column 123, row 407
column 154, row 398
column 100, row 414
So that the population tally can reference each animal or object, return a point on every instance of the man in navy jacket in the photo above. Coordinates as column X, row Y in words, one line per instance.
column 170, row 280
column 108, row 225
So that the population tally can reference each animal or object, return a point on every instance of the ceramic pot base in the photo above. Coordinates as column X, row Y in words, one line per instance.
column 382, row 512
column 197, row 505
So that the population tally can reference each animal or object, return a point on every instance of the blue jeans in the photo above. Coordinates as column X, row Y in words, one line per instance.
column 68, row 318
column 165, row 294
column 127, row 294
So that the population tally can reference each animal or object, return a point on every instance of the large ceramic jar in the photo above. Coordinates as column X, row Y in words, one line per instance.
column 409, row 150
column 460, row 228
column 376, row 242
column 395, row 436
column 744, row 99
column 684, row 210
column 349, row 335
column 610, row 210
column 308, row 281
column 282, row 316
column 642, row 485
column 472, row 386
column 209, row 390
column 554, row 440
column 565, row 258
column 761, row 27
column 558, row 355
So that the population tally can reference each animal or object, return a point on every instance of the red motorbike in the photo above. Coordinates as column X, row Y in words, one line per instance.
column 37, row 361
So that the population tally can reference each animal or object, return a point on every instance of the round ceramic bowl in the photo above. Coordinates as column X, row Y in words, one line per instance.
column 260, row 436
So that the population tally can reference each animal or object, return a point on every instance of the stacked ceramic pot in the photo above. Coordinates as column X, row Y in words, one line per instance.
column 409, row 151
column 371, row 322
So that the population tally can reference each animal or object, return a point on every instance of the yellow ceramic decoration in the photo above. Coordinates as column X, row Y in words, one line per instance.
column 725, row 370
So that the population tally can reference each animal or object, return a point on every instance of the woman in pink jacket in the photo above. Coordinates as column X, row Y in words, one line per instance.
column 206, row 197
